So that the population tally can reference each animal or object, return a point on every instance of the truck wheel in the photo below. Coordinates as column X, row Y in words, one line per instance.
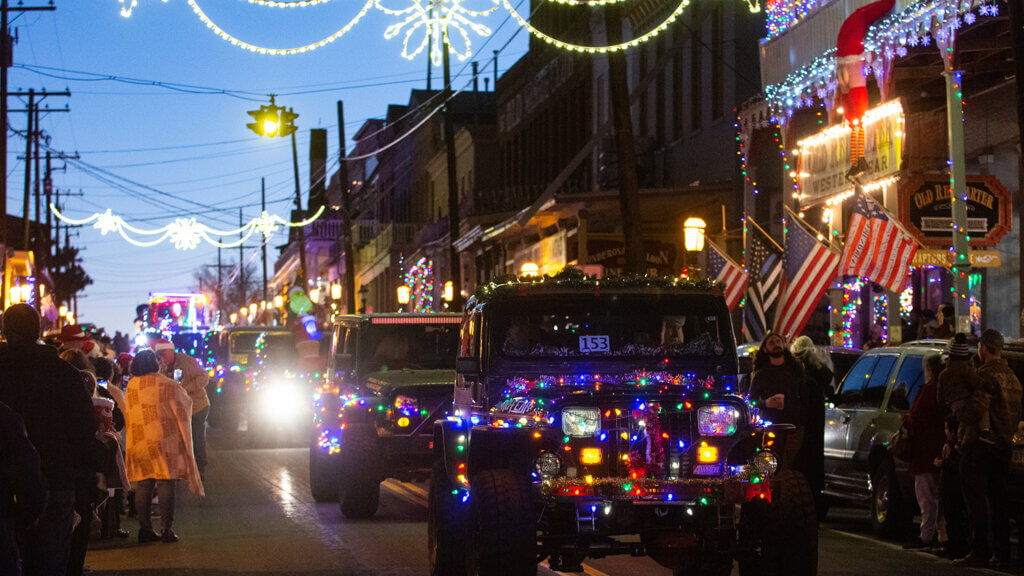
column 782, row 535
column 504, row 525
column 446, row 527
column 323, row 475
column 359, row 488
column 890, row 512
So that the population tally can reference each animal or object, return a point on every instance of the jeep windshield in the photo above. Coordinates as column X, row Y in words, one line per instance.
column 245, row 342
column 614, row 326
column 410, row 347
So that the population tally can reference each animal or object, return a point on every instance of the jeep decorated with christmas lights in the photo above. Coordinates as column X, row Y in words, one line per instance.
column 389, row 378
column 231, row 361
column 599, row 417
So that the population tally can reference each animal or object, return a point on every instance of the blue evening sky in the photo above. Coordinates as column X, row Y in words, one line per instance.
column 204, row 153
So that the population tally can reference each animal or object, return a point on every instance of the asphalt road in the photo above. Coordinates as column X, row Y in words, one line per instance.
column 258, row 518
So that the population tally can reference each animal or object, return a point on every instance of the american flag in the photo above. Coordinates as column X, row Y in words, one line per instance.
column 764, row 266
column 810, row 267
column 723, row 269
column 876, row 247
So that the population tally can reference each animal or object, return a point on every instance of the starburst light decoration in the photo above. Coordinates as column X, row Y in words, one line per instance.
column 185, row 233
column 437, row 19
column 128, row 5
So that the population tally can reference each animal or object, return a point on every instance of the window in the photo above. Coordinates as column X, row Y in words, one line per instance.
column 852, row 389
column 908, row 381
column 874, row 391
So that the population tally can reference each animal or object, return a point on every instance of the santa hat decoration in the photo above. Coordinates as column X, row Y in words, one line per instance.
column 161, row 344
column 849, row 67
column 73, row 333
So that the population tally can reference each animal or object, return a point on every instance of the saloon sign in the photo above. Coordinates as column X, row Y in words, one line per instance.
column 824, row 159
column 926, row 210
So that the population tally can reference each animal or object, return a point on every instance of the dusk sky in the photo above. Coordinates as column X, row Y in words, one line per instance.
column 187, row 142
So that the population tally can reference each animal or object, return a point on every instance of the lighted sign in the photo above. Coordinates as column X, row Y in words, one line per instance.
column 824, row 159
column 925, row 209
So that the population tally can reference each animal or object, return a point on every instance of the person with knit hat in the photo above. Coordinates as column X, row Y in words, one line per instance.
column 45, row 390
column 960, row 388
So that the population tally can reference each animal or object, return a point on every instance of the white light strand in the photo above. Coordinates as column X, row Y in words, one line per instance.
column 297, row 4
column 436, row 18
column 278, row 51
column 596, row 49
column 128, row 5
column 184, row 233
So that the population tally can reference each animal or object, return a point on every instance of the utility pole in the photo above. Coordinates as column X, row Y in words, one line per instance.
column 220, row 283
column 629, row 185
column 346, row 217
column 6, row 61
column 29, row 135
column 241, row 262
column 298, row 207
column 37, row 182
column 1017, row 41
column 263, row 248
column 453, row 187
column 48, row 191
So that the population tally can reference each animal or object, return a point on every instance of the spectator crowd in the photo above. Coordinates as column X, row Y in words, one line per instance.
column 89, row 433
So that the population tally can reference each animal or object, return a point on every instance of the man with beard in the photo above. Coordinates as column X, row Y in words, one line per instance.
column 778, row 389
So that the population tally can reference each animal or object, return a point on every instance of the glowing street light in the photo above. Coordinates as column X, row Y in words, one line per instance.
column 335, row 291
column 403, row 295
column 529, row 269
column 449, row 292
column 279, row 301
column 693, row 234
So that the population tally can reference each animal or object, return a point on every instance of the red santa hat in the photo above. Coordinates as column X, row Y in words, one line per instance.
column 161, row 344
column 849, row 52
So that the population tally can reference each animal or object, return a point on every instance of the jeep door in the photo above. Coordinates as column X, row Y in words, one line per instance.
column 850, row 420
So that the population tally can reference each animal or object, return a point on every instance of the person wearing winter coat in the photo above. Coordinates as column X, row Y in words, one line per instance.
column 48, row 395
column 818, row 386
column 159, row 444
column 926, row 433
column 778, row 389
column 22, row 488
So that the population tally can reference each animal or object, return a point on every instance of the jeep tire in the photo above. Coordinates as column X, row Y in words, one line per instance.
column 447, row 517
column 784, row 532
column 504, row 535
column 359, row 486
column 323, row 475
column 891, row 514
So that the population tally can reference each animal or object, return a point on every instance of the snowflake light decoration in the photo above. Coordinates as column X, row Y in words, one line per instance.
column 185, row 233
column 127, row 6
column 437, row 19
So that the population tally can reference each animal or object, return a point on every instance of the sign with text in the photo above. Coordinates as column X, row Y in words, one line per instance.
column 824, row 159
column 926, row 210
column 944, row 258
column 610, row 254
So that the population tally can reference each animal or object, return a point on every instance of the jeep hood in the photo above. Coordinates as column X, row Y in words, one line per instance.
column 410, row 382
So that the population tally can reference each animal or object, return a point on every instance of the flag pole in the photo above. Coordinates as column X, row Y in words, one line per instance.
column 766, row 235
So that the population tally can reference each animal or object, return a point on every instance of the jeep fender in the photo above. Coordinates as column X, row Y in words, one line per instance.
column 446, row 442
column 501, row 448
column 360, row 415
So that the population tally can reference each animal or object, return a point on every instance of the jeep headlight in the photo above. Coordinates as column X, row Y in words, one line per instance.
column 581, row 421
column 765, row 462
column 548, row 465
column 717, row 420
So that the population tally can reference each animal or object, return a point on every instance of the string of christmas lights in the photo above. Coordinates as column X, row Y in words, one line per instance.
column 596, row 49
column 277, row 51
column 296, row 4
column 437, row 18
column 420, row 278
column 184, row 233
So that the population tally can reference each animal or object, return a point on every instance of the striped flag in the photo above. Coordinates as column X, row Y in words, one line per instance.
column 810, row 267
column 876, row 248
column 764, row 266
column 724, row 269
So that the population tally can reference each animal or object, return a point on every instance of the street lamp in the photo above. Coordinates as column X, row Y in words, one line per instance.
column 273, row 121
column 335, row 291
column 403, row 295
column 693, row 234
column 529, row 269
column 279, row 301
column 449, row 291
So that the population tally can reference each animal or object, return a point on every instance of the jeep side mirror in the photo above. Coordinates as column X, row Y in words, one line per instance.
column 467, row 366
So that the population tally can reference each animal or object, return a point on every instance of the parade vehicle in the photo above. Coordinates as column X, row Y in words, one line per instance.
column 231, row 360
column 277, row 408
column 865, row 413
column 600, row 417
column 389, row 377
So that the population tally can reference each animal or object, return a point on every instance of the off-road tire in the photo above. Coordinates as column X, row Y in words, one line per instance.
column 359, row 486
column 447, row 518
column 891, row 514
column 504, row 525
column 323, row 475
column 784, row 531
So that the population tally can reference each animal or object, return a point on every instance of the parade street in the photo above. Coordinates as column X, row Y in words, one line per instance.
column 258, row 518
